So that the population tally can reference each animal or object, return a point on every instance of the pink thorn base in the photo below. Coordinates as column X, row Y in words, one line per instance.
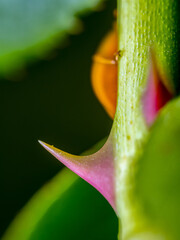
column 97, row 169
column 155, row 96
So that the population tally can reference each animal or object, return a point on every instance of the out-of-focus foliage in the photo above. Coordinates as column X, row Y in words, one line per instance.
column 158, row 177
column 29, row 29
column 46, row 106
column 66, row 208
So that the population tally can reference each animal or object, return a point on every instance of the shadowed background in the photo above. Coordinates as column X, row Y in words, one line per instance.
column 51, row 100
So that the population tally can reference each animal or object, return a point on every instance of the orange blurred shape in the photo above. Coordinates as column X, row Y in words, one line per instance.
column 104, row 72
column 104, row 79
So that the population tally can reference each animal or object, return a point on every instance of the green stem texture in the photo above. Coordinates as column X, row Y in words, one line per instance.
column 144, row 26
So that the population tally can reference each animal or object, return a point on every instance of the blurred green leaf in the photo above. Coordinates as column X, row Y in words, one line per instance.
column 66, row 208
column 158, row 177
column 29, row 29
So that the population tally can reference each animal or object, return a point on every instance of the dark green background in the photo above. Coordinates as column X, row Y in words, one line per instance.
column 53, row 101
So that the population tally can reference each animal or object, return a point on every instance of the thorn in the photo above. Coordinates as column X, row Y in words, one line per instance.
column 156, row 95
column 97, row 169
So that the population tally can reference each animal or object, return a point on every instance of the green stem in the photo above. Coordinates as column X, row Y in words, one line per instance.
column 142, row 25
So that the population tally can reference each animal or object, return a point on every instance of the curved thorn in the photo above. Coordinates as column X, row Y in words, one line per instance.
column 97, row 169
